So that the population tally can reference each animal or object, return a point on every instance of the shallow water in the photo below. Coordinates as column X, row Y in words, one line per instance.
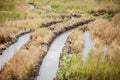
column 31, row 6
column 50, row 63
column 11, row 50
column 87, row 46
column 105, row 50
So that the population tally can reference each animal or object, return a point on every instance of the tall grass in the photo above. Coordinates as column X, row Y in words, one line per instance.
column 4, row 38
column 100, row 65
column 11, row 15
column 79, row 5
column 8, row 12
column 7, row 5
column 95, row 69
column 105, row 30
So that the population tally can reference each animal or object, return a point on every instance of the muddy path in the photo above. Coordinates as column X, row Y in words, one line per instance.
column 9, row 50
column 21, row 33
column 46, row 24
column 84, row 53
column 43, row 47
column 83, row 43
column 52, row 26
column 12, row 49
column 50, row 63
column 16, row 44
column 14, row 40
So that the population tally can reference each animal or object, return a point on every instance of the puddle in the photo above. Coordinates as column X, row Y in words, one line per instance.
column 31, row 6
column 50, row 62
column 49, row 6
column 11, row 50
column 87, row 46
column 105, row 50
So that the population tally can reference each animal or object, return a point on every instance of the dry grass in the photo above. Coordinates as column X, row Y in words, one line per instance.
column 79, row 5
column 23, row 63
column 27, row 24
column 58, row 27
column 101, row 65
column 32, row 20
column 5, row 34
column 76, row 40
column 105, row 30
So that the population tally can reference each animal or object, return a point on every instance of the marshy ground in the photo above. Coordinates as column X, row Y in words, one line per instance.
column 44, row 20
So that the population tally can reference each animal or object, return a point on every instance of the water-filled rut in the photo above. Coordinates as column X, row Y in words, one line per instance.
column 11, row 50
column 50, row 63
column 88, row 45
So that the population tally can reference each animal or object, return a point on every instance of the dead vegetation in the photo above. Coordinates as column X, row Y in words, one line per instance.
column 103, row 59
column 105, row 54
column 108, row 31
column 23, row 65
column 27, row 59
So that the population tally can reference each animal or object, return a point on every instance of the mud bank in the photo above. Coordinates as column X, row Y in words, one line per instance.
column 54, row 22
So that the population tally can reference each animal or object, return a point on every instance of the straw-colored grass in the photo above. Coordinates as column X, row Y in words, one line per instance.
column 22, row 65
column 78, row 5
column 101, row 65
column 108, row 31
column 77, row 43
column 16, row 16
column 24, row 62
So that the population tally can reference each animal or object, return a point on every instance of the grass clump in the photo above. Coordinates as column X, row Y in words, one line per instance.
column 94, row 69
column 6, row 5
column 4, row 38
column 107, row 16
column 88, row 15
column 11, row 15
column 100, row 65
column 9, row 11
column 108, row 31
column 58, row 7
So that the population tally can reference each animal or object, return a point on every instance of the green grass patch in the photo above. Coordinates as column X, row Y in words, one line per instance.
column 11, row 15
column 95, row 69
column 7, row 11
column 107, row 15
column 88, row 15
column 6, row 5
column 58, row 8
